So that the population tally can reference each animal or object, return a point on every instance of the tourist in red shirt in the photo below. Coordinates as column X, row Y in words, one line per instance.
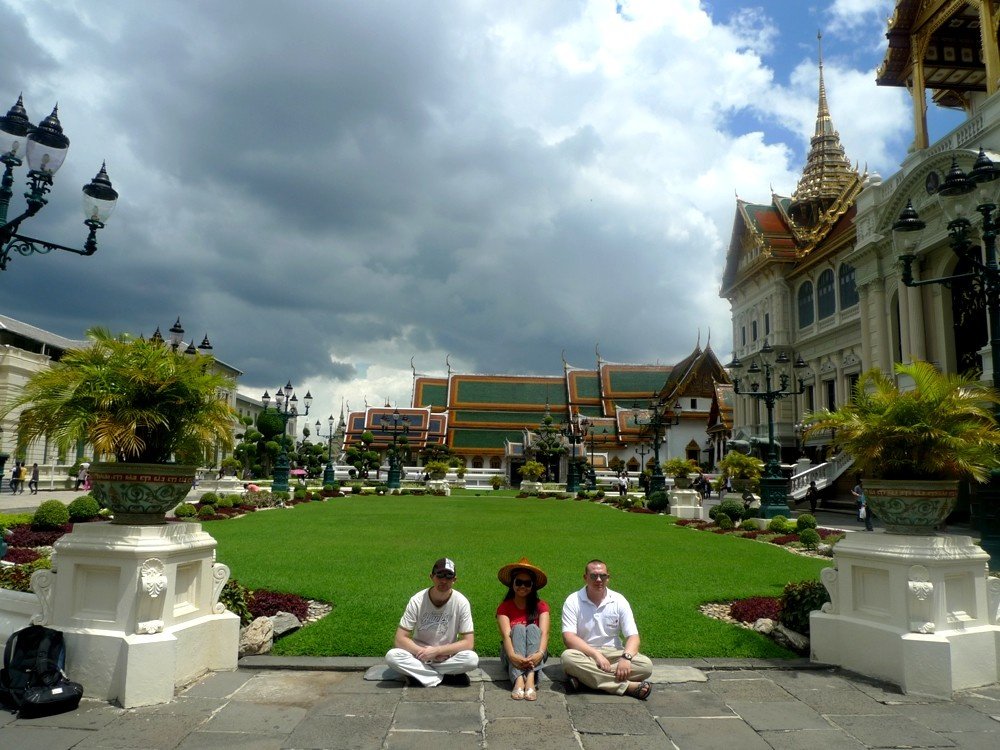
column 523, row 620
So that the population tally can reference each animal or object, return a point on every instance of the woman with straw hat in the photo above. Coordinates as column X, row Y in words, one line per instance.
column 523, row 620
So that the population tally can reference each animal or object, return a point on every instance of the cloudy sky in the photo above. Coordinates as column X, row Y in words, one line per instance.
column 331, row 188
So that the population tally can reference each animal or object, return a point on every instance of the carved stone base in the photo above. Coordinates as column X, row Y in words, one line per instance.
column 434, row 485
column 917, row 611
column 139, row 606
column 686, row 504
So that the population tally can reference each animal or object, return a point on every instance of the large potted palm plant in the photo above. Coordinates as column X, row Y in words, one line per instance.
column 913, row 446
column 139, row 404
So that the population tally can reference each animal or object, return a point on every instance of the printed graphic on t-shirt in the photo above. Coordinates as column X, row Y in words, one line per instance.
column 436, row 622
column 611, row 623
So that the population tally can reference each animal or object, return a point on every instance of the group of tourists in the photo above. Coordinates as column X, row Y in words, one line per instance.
column 20, row 475
column 434, row 641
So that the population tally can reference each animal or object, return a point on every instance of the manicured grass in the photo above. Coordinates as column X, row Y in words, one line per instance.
column 368, row 555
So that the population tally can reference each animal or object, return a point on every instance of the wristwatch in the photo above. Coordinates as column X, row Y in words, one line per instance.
column 627, row 656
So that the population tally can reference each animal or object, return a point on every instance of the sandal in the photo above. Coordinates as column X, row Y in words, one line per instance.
column 572, row 685
column 530, row 694
column 517, row 693
column 643, row 690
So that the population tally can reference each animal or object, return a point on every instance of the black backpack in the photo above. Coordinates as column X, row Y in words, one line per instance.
column 32, row 680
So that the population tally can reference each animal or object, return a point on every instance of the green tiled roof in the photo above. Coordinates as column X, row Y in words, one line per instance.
column 587, row 386
column 466, row 438
column 637, row 381
column 510, row 392
column 434, row 395
column 528, row 418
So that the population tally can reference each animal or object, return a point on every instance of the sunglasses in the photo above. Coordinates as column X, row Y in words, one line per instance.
column 599, row 576
column 524, row 582
column 444, row 574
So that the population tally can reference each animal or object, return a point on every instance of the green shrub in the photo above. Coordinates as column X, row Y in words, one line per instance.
column 751, row 524
column 780, row 525
column 798, row 600
column 185, row 510
column 210, row 498
column 206, row 511
column 18, row 577
column 14, row 519
column 658, row 501
column 234, row 500
column 236, row 599
column 724, row 522
column 356, row 488
column 499, row 481
column 381, row 488
column 52, row 514
column 810, row 538
column 83, row 508
column 282, row 495
column 300, row 493
column 805, row 521
column 226, row 501
column 731, row 508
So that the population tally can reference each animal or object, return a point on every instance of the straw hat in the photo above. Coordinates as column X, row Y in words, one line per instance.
column 506, row 573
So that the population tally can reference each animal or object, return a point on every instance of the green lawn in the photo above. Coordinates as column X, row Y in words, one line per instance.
column 368, row 555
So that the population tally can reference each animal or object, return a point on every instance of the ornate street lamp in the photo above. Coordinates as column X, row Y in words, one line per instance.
column 45, row 147
column 176, row 338
column 773, row 486
column 643, row 450
column 572, row 432
column 590, row 431
column 985, row 276
column 286, row 407
column 395, row 424
column 330, row 472
column 656, row 420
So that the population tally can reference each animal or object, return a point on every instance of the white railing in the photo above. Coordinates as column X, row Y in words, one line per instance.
column 823, row 474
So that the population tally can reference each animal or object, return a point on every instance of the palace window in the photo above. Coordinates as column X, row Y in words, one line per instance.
column 831, row 394
column 477, row 462
column 848, row 289
column 805, row 305
column 826, row 295
column 494, row 462
column 753, row 330
column 767, row 324
column 743, row 336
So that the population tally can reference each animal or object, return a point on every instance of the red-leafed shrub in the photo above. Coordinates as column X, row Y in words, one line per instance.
column 825, row 533
column 641, row 510
column 686, row 522
column 25, row 536
column 265, row 603
column 754, row 608
column 785, row 539
column 20, row 555
column 751, row 534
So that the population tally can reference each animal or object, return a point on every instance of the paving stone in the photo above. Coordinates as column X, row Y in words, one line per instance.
column 677, row 701
column 973, row 740
column 794, row 681
column 889, row 694
column 711, row 734
column 90, row 715
column 827, row 739
column 624, row 718
column 950, row 717
column 433, row 741
column 499, row 704
column 358, row 704
column 241, row 740
column 442, row 693
column 6, row 717
column 382, row 672
column 779, row 716
column 983, row 704
column 354, row 732
column 440, row 717
column 41, row 738
column 553, row 733
column 485, row 673
column 135, row 730
column 633, row 742
column 303, row 689
column 842, row 701
column 218, row 685
column 669, row 675
column 256, row 718
column 750, row 691
column 889, row 731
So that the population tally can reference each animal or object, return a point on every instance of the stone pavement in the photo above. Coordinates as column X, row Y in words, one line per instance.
column 273, row 702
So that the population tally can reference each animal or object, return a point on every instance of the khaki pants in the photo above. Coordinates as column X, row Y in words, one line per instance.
column 584, row 668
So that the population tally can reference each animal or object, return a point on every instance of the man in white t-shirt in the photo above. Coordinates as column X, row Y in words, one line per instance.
column 434, row 640
column 593, row 621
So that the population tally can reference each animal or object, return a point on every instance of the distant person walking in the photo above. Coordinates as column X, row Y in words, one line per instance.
column 864, row 512
column 33, row 482
column 812, row 495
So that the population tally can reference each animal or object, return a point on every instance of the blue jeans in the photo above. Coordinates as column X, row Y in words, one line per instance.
column 526, row 639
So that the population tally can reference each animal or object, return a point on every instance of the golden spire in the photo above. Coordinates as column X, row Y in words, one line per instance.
column 828, row 171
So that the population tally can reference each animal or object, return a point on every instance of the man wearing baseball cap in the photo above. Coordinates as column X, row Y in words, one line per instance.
column 434, row 640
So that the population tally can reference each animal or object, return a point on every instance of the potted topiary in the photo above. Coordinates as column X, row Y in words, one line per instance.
column 741, row 470
column 436, row 470
column 134, row 400
column 681, row 470
column 913, row 446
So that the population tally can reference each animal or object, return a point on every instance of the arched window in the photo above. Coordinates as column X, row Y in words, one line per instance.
column 495, row 462
column 753, row 331
column 477, row 462
column 848, row 289
column 806, row 305
column 826, row 295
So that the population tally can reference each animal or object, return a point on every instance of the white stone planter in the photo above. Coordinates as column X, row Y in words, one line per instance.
column 434, row 485
column 532, row 487
column 686, row 504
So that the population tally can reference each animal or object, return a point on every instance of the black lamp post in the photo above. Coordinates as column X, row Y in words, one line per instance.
column 287, row 407
column 773, row 486
column 657, row 419
column 395, row 424
column 45, row 147
column 572, row 432
column 983, row 179
column 590, row 431
column 643, row 450
column 330, row 472
column 176, row 338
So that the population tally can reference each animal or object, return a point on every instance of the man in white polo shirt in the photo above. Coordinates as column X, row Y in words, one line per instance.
column 593, row 621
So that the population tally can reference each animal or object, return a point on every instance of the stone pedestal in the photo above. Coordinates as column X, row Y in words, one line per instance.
column 917, row 611
column 433, row 485
column 139, row 606
column 686, row 504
